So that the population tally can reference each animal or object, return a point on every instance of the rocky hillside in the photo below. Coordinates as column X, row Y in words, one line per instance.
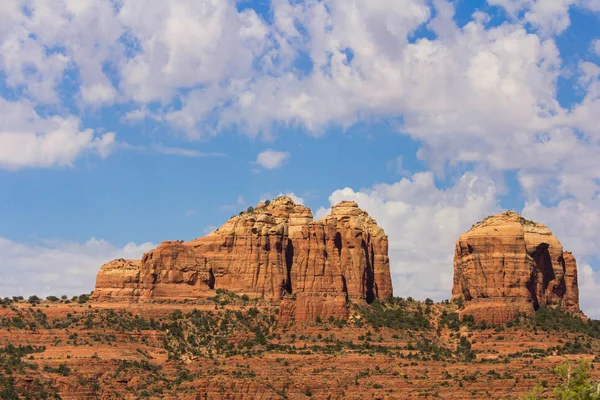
column 229, row 347
column 507, row 265
column 274, row 251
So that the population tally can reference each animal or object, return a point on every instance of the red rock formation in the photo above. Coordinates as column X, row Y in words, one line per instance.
column 571, row 298
column 507, row 265
column 118, row 279
column 274, row 251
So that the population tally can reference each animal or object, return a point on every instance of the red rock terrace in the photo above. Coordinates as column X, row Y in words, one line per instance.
column 507, row 265
column 274, row 251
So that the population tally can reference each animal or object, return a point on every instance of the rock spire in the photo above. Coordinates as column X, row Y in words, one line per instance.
column 274, row 251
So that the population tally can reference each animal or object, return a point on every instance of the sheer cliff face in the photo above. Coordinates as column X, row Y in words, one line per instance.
column 507, row 265
column 275, row 251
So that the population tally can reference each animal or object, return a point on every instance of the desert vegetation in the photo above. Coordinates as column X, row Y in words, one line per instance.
column 400, row 348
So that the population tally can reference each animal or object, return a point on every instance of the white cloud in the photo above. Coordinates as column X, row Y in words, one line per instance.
column 28, row 140
column 177, row 151
column 42, row 44
column 423, row 223
column 238, row 69
column 322, row 212
column 475, row 95
column 39, row 46
column 589, row 290
column 271, row 159
column 98, row 94
column 185, row 44
column 430, row 81
column 57, row 268
column 137, row 115
column 549, row 17
column 28, row 66
column 595, row 47
column 593, row 5
column 397, row 165
column 472, row 95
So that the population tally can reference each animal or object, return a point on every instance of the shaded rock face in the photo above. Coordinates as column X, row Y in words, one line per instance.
column 507, row 265
column 276, row 251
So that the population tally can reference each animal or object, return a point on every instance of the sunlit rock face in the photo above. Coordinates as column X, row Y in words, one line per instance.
column 506, row 265
column 274, row 251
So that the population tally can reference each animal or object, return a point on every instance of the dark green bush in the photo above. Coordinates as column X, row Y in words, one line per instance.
column 392, row 314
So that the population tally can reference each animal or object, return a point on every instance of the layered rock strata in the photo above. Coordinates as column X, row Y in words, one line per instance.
column 274, row 251
column 506, row 265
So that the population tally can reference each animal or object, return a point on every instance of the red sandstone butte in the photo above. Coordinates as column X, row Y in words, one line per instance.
column 506, row 265
column 275, row 251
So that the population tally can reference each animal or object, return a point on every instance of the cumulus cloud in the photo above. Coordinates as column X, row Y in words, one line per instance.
column 41, row 45
column 595, row 47
column 98, row 94
column 547, row 17
column 471, row 94
column 41, row 41
column 271, row 159
column 589, row 290
column 28, row 140
column 57, row 268
column 397, row 165
column 184, row 44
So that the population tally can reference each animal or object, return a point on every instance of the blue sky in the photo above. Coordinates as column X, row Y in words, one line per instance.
column 144, row 196
column 126, row 123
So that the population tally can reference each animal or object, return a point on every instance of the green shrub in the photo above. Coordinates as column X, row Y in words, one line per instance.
column 463, row 350
column 550, row 318
column 392, row 314
column 575, row 383
column 62, row 369
column 83, row 298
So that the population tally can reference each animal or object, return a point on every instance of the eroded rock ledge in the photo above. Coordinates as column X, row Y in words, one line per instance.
column 506, row 265
column 275, row 251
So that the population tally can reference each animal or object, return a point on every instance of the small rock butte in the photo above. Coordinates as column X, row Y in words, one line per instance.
column 507, row 265
column 274, row 251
